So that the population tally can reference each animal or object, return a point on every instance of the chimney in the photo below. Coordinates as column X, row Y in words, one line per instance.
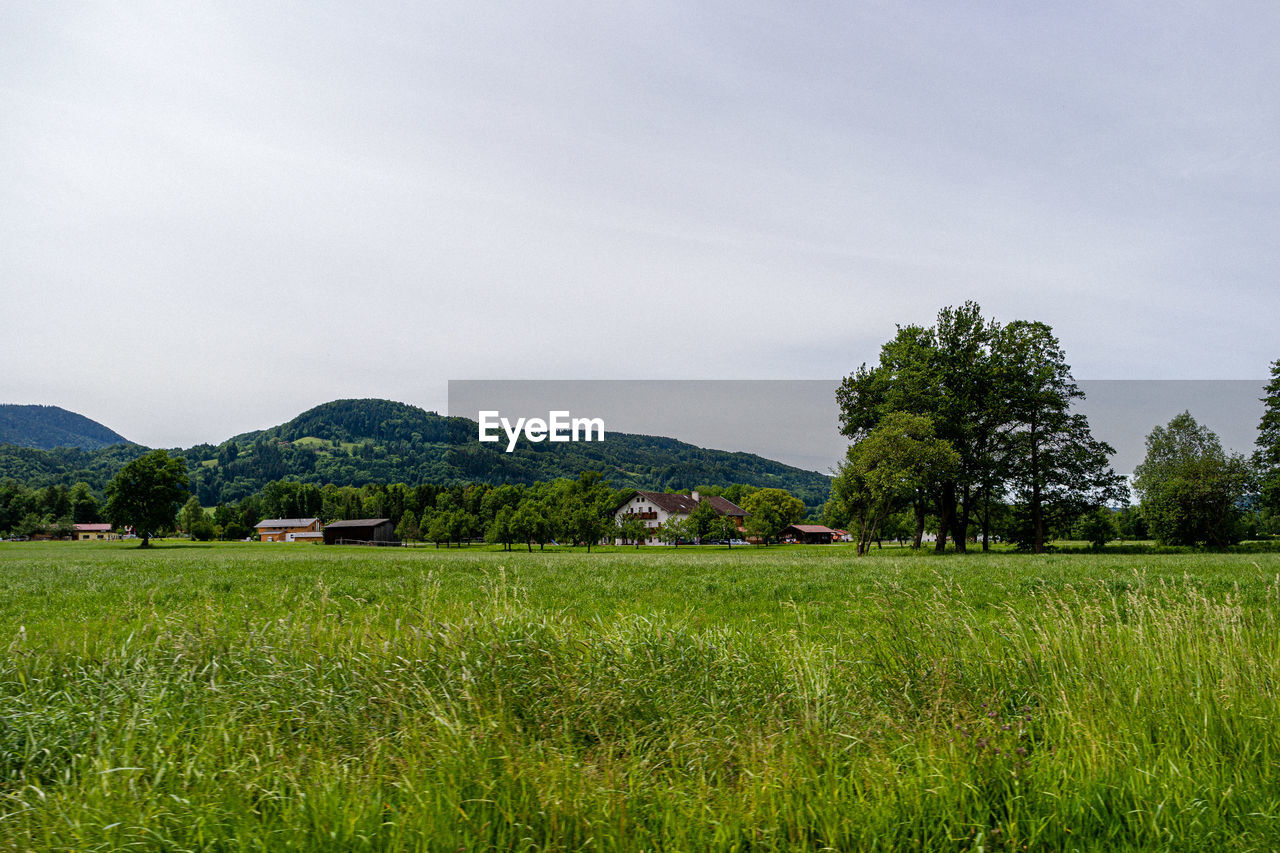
column 695, row 496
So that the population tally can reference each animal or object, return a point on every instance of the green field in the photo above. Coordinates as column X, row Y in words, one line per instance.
column 294, row 697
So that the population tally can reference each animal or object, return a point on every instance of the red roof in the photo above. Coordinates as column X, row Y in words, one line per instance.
column 93, row 528
column 810, row 528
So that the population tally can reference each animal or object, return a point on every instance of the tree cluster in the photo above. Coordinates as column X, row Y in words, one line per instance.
column 52, row 510
column 577, row 511
column 995, row 428
column 1191, row 490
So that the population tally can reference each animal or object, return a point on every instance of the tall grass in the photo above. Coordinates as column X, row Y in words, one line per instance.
column 259, row 698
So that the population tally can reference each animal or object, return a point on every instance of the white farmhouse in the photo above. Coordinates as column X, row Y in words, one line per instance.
column 654, row 508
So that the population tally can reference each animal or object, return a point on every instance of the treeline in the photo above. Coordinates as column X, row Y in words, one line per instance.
column 26, row 511
column 578, row 510
column 968, row 428
column 564, row 510
column 65, row 466
column 1097, row 527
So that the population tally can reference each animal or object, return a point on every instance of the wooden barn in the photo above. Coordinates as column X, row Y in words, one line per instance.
column 361, row 531
column 808, row 534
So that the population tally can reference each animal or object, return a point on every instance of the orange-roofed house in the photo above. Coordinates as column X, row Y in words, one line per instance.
column 289, row 530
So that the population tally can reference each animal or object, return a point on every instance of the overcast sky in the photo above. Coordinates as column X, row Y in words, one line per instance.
column 214, row 216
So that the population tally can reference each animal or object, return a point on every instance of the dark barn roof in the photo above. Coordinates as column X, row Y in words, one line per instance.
column 358, row 522
column 377, row 531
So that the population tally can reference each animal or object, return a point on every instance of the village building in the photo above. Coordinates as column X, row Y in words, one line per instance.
column 361, row 531
column 92, row 532
column 288, row 529
column 809, row 534
column 655, row 508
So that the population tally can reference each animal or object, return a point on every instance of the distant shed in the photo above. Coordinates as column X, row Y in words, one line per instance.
column 361, row 531
column 87, row 532
column 808, row 534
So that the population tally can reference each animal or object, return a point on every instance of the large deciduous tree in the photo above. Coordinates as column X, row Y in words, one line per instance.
column 944, row 373
column 145, row 494
column 895, row 461
column 1001, row 397
column 1190, row 488
column 770, row 510
column 1048, row 454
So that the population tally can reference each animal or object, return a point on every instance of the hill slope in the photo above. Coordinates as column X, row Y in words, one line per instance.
column 47, row 427
column 350, row 442
column 353, row 442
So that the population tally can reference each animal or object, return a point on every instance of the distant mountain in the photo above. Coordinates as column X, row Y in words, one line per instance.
column 47, row 427
column 353, row 442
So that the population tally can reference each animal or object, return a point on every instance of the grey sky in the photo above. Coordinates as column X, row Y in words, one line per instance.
column 214, row 216
column 795, row 421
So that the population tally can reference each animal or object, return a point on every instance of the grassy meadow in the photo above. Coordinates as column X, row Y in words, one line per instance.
column 294, row 697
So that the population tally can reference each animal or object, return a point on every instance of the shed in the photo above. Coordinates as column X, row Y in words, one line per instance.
column 86, row 532
column 808, row 534
column 361, row 531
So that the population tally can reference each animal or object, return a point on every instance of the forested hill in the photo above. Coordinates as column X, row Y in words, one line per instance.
column 379, row 421
column 353, row 442
column 47, row 427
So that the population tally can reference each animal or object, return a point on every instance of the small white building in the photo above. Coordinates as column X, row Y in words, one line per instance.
column 654, row 508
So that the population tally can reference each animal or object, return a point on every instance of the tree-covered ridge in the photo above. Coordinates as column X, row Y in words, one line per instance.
column 354, row 442
column 65, row 465
column 380, row 421
column 47, row 427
